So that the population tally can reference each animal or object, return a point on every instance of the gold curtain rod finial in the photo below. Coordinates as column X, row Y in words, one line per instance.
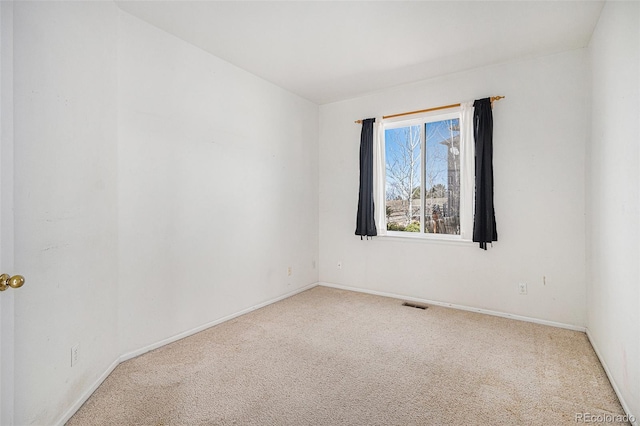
column 358, row 121
column 496, row 98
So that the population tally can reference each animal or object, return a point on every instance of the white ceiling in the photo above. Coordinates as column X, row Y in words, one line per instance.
column 327, row 51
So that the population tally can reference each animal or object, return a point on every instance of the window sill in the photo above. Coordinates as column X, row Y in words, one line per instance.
column 430, row 238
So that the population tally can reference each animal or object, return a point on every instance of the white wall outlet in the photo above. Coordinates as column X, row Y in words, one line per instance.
column 75, row 349
column 522, row 288
column 289, row 271
column 339, row 264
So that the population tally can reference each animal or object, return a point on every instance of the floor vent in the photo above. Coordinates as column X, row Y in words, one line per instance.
column 415, row 305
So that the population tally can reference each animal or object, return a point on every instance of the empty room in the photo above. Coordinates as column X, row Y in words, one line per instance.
column 319, row 212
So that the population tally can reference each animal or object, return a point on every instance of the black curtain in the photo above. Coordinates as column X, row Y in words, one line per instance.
column 365, row 223
column 484, row 220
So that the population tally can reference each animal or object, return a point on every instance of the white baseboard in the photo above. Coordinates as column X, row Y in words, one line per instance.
column 83, row 398
column 202, row 327
column 454, row 306
column 624, row 404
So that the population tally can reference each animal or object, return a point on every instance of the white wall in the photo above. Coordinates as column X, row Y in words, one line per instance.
column 613, row 207
column 540, row 131
column 217, row 187
column 65, row 202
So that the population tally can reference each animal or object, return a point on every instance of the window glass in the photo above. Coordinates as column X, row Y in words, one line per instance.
column 422, row 175
column 403, row 156
column 442, row 177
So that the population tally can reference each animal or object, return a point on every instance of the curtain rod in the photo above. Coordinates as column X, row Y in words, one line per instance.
column 493, row 98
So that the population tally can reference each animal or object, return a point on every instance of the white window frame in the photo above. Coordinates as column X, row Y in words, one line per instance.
column 466, row 189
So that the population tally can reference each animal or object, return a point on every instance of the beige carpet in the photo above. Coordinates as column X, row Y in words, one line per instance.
column 332, row 357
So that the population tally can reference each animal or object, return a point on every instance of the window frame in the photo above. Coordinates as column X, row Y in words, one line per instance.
column 421, row 120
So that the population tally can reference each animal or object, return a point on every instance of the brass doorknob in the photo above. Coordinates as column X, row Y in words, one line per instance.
column 16, row 281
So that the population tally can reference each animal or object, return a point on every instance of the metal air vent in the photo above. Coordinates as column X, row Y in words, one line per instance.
column 415, row 305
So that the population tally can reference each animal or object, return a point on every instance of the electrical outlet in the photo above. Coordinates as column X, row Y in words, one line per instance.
column 339, row 264
column 289, row 271
column 74, row 354
column 522, row 288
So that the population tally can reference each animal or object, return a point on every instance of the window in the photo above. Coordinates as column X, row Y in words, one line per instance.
column 424, row 177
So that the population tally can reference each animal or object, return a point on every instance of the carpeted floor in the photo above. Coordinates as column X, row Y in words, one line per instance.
column 333, row 357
